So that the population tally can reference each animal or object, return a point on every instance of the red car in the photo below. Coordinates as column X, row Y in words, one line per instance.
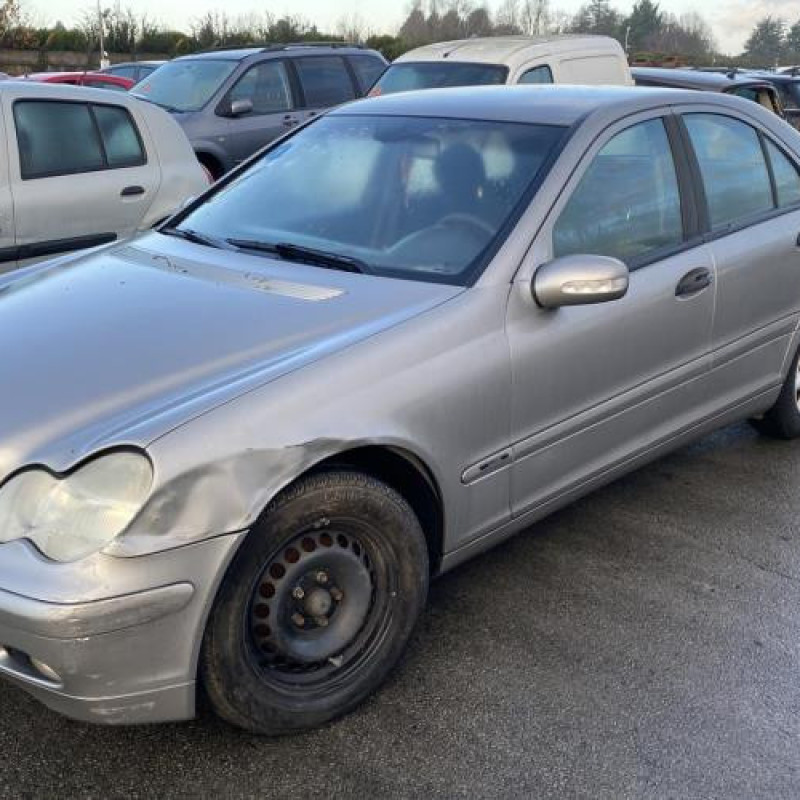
column 96, row 80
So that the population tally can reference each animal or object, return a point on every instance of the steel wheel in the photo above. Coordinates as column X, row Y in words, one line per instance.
column 316, row 606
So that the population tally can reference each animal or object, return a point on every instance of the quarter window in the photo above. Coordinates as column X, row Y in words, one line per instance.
column 787, row 180
column 64, row 138
column 266, row 85
column 540, row 74
column 732, row 165
column 326, row 81
column 627, row 204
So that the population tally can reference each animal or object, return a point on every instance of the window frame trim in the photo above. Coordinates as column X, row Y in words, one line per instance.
column 89, row 105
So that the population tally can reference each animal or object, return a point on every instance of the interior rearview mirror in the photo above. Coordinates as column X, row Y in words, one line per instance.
column 579, row 280
column 241, row 107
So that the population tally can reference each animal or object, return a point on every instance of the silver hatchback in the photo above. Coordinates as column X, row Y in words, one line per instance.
column 235, row 450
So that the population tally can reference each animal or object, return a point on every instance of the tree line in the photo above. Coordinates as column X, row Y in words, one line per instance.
column 647, row 32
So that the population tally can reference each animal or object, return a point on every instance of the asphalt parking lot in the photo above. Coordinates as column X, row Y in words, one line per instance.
column 643, row 643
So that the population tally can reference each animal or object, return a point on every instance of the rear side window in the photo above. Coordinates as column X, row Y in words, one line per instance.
column 787, row 180
column 732, row 165
column 326, row 81
column 368, row 69
column 64, row 138
column 539, row 74
column 627, row 204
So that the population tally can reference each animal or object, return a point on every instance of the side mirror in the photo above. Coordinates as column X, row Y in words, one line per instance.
column 241, row 107
column 579, row 280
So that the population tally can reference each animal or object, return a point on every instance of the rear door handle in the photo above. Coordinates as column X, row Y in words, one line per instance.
column 290, row 120
column 693, row 282
column 131, row 191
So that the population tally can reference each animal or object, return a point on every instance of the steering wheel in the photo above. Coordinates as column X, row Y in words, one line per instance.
column 465, row 220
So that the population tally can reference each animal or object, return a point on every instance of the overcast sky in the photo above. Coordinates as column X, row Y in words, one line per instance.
column 731, row 21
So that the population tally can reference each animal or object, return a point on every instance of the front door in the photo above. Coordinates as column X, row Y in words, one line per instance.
column 267, row 87
column 596, row 385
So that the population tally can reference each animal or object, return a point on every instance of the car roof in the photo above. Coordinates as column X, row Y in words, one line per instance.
column 697, row 79
column 241, row 53
column 543, row 104
column 24, row 89
column 501, row 49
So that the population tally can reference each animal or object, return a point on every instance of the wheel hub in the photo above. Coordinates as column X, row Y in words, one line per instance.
column 311, row 601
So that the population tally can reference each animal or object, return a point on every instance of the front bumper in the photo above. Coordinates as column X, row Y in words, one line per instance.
column 108, row 639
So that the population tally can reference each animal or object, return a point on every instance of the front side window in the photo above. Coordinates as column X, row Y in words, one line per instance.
column 65, row 138
column 325, row 80
column 627, row 204
column 732, row 165
column 417, row 198
column 410, row 76
column 56, row 138
column 266, row 85
column 185, row 85
column 541, row 74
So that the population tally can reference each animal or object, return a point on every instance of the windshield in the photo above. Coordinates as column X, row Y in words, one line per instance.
column 420, row 198
column 184, row 85
column 438, row 75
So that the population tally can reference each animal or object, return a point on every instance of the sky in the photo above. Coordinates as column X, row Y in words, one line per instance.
column 731, row 21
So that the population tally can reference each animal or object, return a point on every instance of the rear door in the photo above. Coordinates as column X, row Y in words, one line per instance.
column 325, row 81
column 82, row 174
column 268, row 87
column 751, row 205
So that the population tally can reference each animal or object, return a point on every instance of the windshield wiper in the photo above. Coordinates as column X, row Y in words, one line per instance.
column 307, row 255
column 196, row 237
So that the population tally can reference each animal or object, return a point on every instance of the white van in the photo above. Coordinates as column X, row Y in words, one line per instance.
column 508, row 60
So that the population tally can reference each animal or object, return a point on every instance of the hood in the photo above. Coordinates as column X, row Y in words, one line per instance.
column 120, row 346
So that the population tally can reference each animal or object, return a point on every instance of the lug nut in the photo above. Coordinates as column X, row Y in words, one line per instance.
column 337, row 594
column 298, row 620
column 322, row 577
column 321, row 621
column 298, row 593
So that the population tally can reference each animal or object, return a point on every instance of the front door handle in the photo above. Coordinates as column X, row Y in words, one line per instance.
column 290, row 120
column 693, row 282
column 131, row 191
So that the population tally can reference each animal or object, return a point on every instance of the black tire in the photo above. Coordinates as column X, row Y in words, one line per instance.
column 782, row 421
column 263, row 670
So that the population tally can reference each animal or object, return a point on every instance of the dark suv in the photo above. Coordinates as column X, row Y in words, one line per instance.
column 232, row 102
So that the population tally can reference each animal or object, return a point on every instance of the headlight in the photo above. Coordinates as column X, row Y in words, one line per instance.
column 72, row 517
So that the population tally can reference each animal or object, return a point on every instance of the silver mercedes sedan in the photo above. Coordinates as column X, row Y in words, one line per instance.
column 234, row 451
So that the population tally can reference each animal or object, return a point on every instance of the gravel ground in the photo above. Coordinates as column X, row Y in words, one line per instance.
column 643, row 643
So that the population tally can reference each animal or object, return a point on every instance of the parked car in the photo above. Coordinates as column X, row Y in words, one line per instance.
column 132, row 70
column 750, row 87
column 507, row 60
column 94, row 80
column 235, row 450
column 83, row 167
column 232, row 102
column 788, row 87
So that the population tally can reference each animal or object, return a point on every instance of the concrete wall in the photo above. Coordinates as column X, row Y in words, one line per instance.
column 21, row 62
